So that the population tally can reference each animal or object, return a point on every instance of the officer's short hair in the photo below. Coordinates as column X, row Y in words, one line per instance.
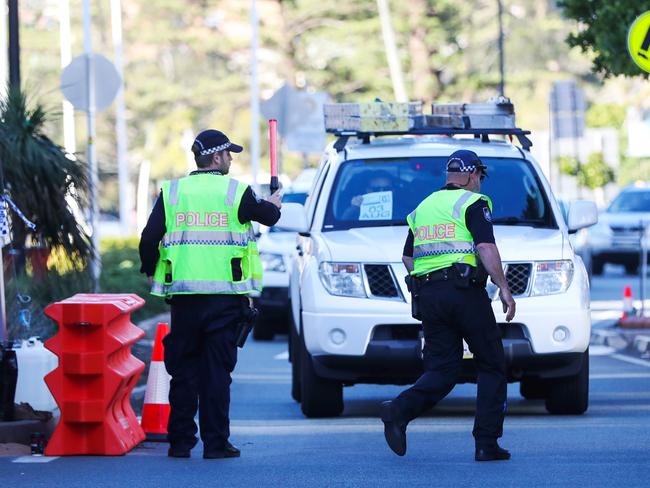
column 201, row 160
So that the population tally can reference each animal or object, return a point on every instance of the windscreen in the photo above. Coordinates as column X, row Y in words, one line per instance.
column 382, row 192
column 631, row 201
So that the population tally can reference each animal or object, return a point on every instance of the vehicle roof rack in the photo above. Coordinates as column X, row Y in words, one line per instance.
column 366, row 120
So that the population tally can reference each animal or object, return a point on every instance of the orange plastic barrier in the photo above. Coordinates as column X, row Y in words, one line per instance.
column 96, row 374
column 156, row 409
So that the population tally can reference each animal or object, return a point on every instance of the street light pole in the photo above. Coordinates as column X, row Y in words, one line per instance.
column 501, row 55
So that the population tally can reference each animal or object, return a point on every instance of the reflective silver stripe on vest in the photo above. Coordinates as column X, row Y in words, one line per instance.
column 459, row 204
column 208, row 238
column 412, row 215
column 446, row 247
column 206, row 287
column 173, row 192
column 232, row 192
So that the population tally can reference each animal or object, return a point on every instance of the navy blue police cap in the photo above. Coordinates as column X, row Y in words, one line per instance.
column 211, row 141
column 464, row 161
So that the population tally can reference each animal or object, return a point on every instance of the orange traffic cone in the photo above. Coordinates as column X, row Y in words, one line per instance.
column 155, row 412
column 628, row 303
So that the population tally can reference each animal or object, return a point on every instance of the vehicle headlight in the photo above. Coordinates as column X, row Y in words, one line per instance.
column 552, row 277
column 272, row 262
column 342, row 279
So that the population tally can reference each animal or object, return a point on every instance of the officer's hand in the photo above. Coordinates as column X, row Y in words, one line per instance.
column 508, row 303
column 276, row 199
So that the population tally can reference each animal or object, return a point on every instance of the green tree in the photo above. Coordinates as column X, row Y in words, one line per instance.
column 595, row 173
column 603, row 28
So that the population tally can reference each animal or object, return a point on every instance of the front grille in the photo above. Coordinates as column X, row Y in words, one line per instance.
column 380, row 281
column 518, row 276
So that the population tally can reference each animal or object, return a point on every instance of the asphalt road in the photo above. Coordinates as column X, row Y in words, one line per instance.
column 608, row 446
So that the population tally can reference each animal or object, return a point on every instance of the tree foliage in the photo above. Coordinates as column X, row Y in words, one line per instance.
column 602, row 31
column 41, row 178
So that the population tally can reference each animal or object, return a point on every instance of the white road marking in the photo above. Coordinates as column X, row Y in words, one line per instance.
column 282, row 356
column 261, row 378
column 34, row 459
column 627, row 359
column 616, row 376
column 596, row 350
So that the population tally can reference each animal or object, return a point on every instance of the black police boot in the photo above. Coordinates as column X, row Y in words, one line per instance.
column 229, row 451
column 394, row 427
column 491, row 452
column 178, row 453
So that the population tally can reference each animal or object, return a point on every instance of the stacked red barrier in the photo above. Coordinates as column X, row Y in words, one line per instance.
column 96, row 374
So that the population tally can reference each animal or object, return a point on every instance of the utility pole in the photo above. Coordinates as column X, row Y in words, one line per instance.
column 124, row 190
column 255, row 96
column 502, row 75
column 14, row 45
column 69, row 140
column 95, row 263
column 391, row 52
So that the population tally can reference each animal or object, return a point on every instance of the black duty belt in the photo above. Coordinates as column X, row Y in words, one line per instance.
column 444, row 274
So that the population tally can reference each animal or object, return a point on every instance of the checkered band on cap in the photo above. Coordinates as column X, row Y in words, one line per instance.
column 213, row 150
column 463, row 167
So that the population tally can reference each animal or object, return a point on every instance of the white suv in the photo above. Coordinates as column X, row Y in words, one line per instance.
column 350, row 307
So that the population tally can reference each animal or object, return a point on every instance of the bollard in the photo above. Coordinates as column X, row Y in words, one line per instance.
column 96, row 374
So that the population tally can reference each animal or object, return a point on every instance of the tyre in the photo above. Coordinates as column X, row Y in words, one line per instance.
column 597, row 266
column 631, row 268
column 294, row 357
column 320, row 397
column 570, row 396
column 533, row 388
column 263, row 330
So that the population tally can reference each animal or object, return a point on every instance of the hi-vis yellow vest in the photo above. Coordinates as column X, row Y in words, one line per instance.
column 440, row 235
column 203, row 236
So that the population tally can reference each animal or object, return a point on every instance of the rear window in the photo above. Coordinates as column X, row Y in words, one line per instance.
column 631, row 201
column 382, row 192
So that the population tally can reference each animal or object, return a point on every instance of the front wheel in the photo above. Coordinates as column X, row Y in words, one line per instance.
column 295, row 355
column 320, row 397
column 597, row 266
column 533, row 388
column 570, row 396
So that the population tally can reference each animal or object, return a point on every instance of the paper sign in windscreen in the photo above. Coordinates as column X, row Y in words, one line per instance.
column 377, row 206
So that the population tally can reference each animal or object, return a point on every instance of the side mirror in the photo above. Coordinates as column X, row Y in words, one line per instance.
column 582, row 213
column 293, row 218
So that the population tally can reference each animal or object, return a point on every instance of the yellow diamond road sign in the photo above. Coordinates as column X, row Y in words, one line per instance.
column 638, row 41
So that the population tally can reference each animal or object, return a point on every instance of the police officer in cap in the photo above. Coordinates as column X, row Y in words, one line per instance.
column 449, row 231
column 199, row 251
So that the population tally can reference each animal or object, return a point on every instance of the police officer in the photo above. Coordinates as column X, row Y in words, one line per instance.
column 447, row 231
column 199, row 251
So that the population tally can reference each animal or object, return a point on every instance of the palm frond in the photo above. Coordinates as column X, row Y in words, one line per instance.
column 41, row 178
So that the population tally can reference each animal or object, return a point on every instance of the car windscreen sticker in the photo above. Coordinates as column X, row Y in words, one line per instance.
column 377, row 206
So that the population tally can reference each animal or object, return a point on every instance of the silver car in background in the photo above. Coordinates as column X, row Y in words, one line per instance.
column 616, row 239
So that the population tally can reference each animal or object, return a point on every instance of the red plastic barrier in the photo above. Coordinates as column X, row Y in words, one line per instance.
column 96, row 374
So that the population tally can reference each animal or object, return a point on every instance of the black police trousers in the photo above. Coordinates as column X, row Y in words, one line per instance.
column 449, row 315
column 200, row 354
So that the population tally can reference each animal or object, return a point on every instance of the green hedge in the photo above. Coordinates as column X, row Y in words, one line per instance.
column 26, row 297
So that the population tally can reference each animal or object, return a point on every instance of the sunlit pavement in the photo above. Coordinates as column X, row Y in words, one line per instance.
column 608, row 446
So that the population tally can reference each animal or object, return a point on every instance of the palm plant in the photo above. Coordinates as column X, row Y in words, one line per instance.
column 42, row 179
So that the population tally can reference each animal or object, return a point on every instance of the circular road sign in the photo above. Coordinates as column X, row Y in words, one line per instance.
column 75, row 87
column 638, row 41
